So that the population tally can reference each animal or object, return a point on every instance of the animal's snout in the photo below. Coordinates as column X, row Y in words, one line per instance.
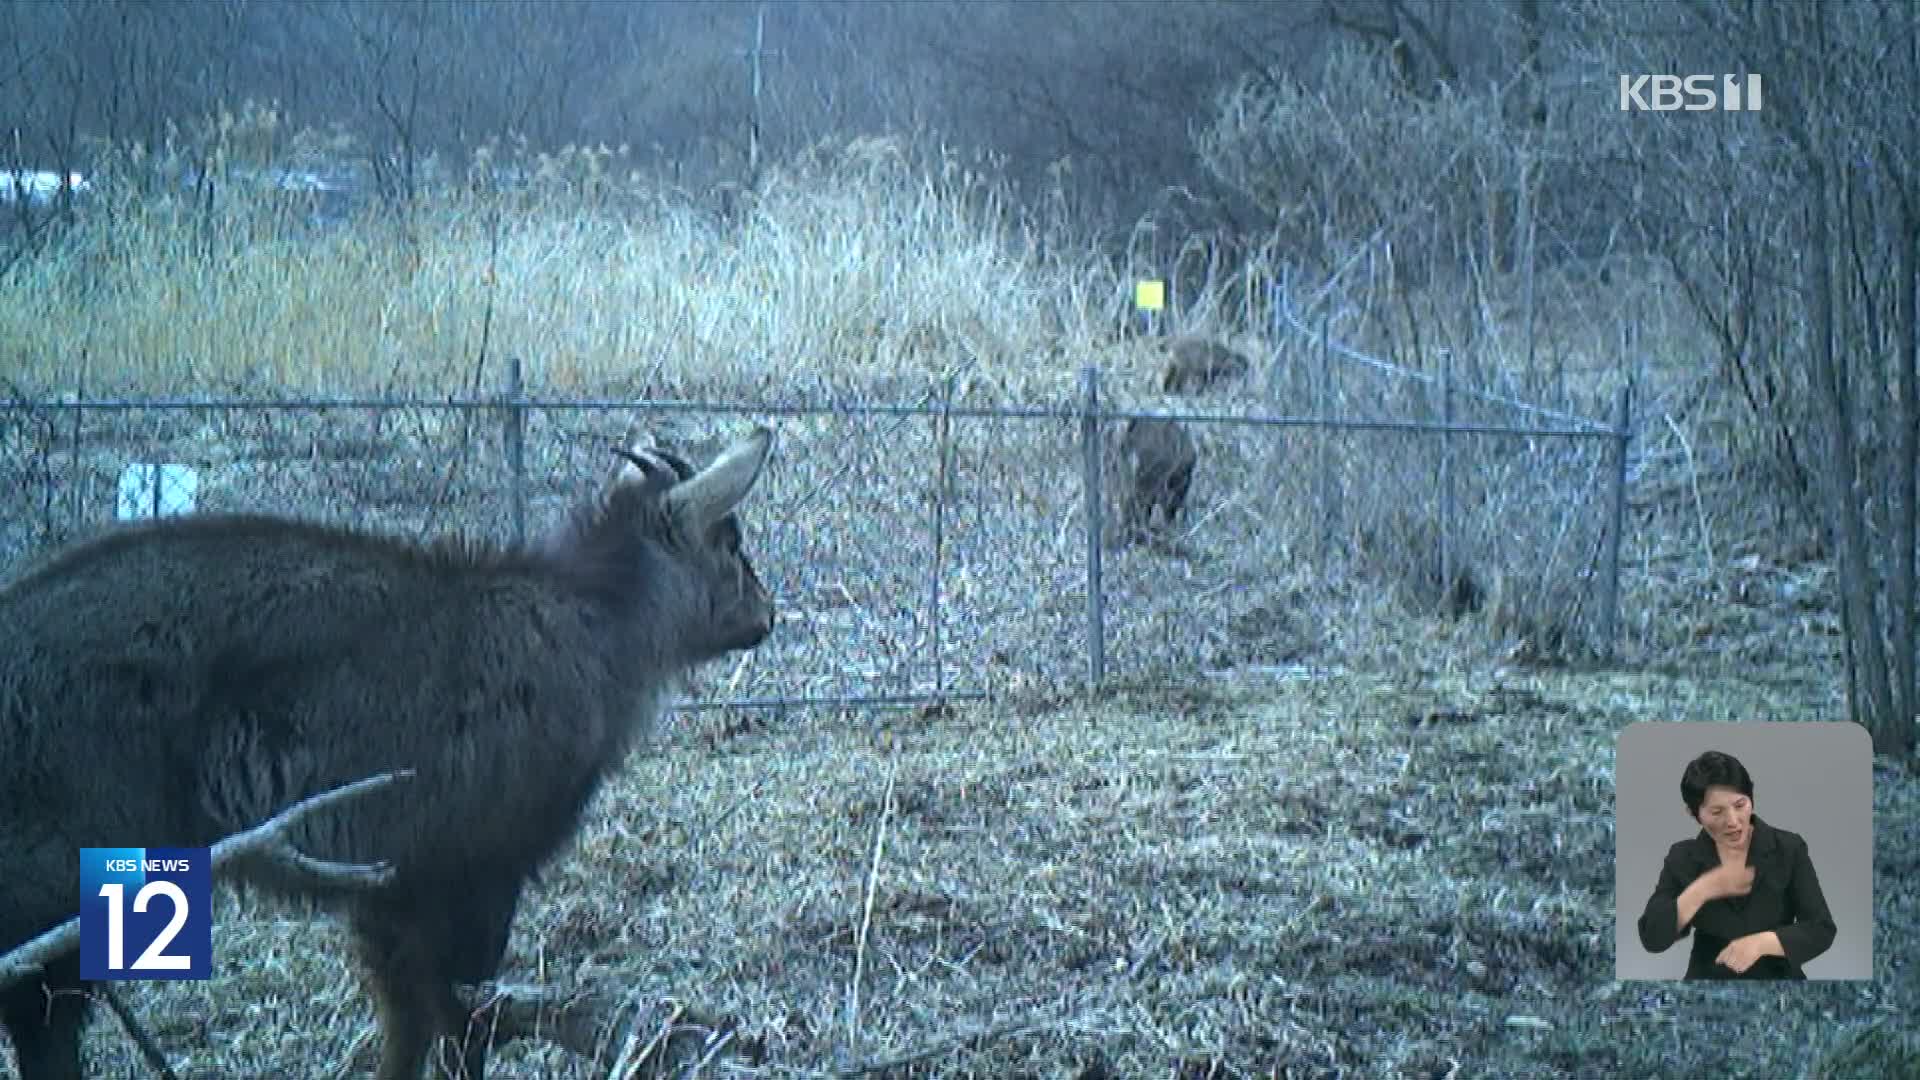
column 749, row 630
column 751, row 620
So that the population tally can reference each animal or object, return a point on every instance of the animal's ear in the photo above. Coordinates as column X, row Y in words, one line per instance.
column 714, row 491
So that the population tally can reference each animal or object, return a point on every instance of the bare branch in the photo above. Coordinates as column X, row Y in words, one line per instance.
column 660, row 1038
column 268, row 841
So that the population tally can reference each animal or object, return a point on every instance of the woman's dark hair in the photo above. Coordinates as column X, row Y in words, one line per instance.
column 1712, row 769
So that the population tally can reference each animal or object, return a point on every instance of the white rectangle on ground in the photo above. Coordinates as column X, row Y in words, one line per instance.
column 157, row 491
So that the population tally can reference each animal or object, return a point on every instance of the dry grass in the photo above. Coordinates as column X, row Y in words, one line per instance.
column 847, row 268
column 1250, row 878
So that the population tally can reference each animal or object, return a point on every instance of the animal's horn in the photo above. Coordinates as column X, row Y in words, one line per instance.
column 644, row 462
column 711, row 493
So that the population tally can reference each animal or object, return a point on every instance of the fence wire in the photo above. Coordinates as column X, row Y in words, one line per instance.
column 916, row 551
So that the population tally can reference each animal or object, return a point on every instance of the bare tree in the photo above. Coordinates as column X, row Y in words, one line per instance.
column 1800, row 255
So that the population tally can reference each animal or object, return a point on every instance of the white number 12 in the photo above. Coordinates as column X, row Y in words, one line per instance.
column 153, row 959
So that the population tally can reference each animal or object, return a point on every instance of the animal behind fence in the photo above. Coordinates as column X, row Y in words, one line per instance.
column 178, row 681
column 1161, row 456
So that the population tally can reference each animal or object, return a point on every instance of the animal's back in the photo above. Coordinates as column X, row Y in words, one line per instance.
column 1162, row 450
column 168, row 613
column 1198, row 363
column 174, row 683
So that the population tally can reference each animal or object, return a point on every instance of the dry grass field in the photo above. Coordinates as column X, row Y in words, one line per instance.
column 1406, row 875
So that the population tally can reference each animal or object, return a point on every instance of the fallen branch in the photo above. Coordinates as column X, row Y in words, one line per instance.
column 644, row 1040
column 267, row 841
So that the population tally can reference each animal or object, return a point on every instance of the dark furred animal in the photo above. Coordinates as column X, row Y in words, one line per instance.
column 1160, row 455
column 175, row 682
column 1197, row 365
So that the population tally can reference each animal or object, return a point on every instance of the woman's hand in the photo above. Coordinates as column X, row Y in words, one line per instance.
column 1727, row 880
column 1743, row 952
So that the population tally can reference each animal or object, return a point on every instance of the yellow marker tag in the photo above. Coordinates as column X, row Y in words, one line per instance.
column 1150, row 295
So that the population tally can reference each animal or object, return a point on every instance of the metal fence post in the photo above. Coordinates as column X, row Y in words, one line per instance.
column 1610, row 582
column 943, row 449
column 1323, row 453
column 1096, row 503
column 77, row 506
column 1447, row 557
column 516, row 448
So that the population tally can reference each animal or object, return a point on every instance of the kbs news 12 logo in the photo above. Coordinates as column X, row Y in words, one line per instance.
column 1689, row 93
column 145, row 913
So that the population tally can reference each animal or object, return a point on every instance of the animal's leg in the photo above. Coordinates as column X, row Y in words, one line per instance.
column 45, row 1018
column 416, row 958
column 411, row 1006
column 1177, row 486
column 1138, row 512
column 471, row 944
column 1155, row 482
column 1158, row 484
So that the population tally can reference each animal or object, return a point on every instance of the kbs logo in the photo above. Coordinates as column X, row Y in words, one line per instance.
column 1689, row 93
column 145, row 913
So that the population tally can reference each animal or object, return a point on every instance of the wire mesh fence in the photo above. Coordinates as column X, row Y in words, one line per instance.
column 922, row 550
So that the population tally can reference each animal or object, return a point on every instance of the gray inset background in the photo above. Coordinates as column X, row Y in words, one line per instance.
column 1815, row 779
